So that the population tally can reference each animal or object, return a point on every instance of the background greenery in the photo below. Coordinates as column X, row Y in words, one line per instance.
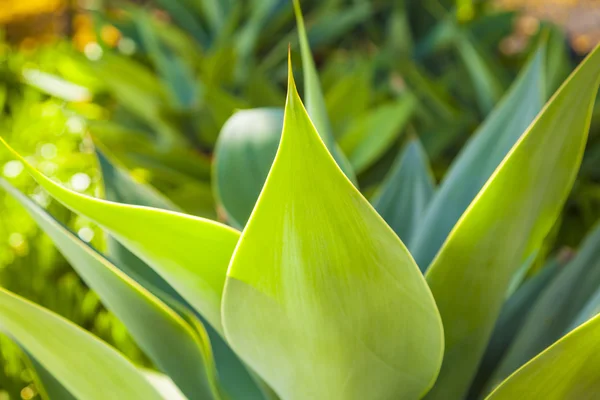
column 154, row 82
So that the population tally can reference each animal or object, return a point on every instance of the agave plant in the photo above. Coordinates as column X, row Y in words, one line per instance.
column 318, row 297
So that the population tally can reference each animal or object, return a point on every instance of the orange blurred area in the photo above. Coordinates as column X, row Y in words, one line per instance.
column 579, row 18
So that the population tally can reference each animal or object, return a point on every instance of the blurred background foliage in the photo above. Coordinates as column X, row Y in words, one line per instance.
column 154, row 81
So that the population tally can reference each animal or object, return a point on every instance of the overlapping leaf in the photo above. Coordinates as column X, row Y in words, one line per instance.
column 506, row 222
column 552, row 314
column 478, row 159
column 120, row 186
column 190, row 253
column 406, row 192
column 245, row 151
column 171, row 343
column 87, row 367
column 339, row 309
column 566, row 370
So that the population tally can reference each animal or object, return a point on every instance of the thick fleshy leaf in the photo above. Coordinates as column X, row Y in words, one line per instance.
column 190, row 253
column 334, row 305
column 553, row 313
column 405, row 194
column 506, row 222
column 243, row 156
column 85, row 365
column 172, row 343
column 373, row 133
column 119, row 186
column 478, row 159
column 315, row 101
column 567, row 370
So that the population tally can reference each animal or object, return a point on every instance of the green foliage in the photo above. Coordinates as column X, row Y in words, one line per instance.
column 305, row 288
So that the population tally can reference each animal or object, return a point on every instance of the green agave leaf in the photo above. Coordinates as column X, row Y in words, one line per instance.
column 374, row 132
column 186, row 20
column 315, row 101
column 505, row 223
column 47, row 385
column 243, row 156
column 333, row 305
column 567, row 370
column 591, row 309
column 487, row 87
column 164, row 385
column 478, row 160
column 553, row 313
column 174, row 72
column 86, row 366
column 120, row 187
column 406, row 192
column 190, row 253
column 512, row 316
column 171, row 343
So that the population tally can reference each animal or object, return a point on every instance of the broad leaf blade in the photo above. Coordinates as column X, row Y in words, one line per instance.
column 190, row 253
column 244, row 153
column 315, row 101
column 86, row 366
column 171, row 343
column 567, row 370
column 334, row 306
column 406, row 192
column 478, row 159
column 505, row 223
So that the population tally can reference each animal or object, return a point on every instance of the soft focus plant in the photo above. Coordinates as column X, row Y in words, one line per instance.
column 422, row 292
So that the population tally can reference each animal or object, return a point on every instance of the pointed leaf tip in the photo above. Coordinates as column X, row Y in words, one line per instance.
column 334, row 305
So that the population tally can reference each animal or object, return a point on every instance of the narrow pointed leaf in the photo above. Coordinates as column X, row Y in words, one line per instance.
column 478, row 159
column 87, row 367
column 567, row 370
column 121, row 187
column 190, row 253
column 171, row 343
column 244, row 153
column 333, row 305
column 506, row 222
column 553, row 313
column 315, row 101
column 373, row 133
column 406, row 192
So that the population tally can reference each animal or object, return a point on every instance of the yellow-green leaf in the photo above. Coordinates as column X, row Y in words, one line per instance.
column 190, row 253
column 569, row 369
column 86, row 366
column 322, row 299
column 506, row 222
column 172, row 343
column 315, row 101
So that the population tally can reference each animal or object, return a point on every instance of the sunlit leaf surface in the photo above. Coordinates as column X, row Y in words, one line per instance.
column 322, row 299
column 507, row 221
